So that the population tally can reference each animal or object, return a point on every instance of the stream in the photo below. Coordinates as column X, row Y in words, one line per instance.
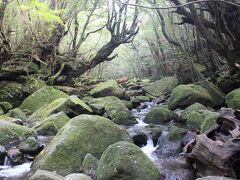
column 162, row 152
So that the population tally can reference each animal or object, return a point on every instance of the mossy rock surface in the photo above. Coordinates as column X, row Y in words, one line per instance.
column 158, row 115
column 142, row 98
column 77, row 176
column 81, row 135
column 12, row 93
column 5, row 106
column 125, row 161
column 185, row 95
column 45, row 175
column 42, row 97
column 34, row 84
column 51, row 125
column 201, row 119
column 108, row 88
column 128, row 104
column 176, row 133
column 90, row 164
column 162, row 87
column 17, row 113
column 13, row 132
column 217, row 95
column 71, row 106
column 233, row 99
column 194, row 107
column 115, row 110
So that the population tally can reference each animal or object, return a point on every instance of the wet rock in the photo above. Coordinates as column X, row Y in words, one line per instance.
column 185, row 95
column 142, row 98
column 108, row 88
column 124, row 160
column 217, row 95
column 158, row 115
column 140, row 139
column 81, row 135
column 233, row 99
column 13, row 132
column 176, row 133
column 30, row 146
column 135, row 102
column 159, row 100
column 3, row 153
column 15, row 156
column 18, row 114
column 12, row 92
column 115, row 110
column 77, row 176
column 71, row 106
column 52, row 124
column 90, row 164
column 161, row 87
column 42, row 97
column 45, row 175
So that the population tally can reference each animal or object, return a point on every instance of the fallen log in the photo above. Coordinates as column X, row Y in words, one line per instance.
column 217, row 151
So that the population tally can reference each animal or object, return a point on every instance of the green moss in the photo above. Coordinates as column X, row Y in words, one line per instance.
column 176, row 133
column 81, row 135
column 128, row 104
column 158, row 114
column 116, row 110
column 143, row 98
column 108, row 88
column 126, row 161
column 13, row 132
column 161, row 87
column 185, row 95
column 90, row 164
column 17, row 113
column 233, row 99
column 42, row 97
column 33, row 85
column 5, row 106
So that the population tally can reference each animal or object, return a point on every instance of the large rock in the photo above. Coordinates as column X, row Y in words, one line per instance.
column 108, row 88
column 42, row 97
column 125, row 161
column 217, row 95
column 115, row 110
column 71, row 106
column 161, row 87
column 201, row 119
column 12, row 92
column 158, row 114
column 51, row 125
column 233, row 99
column 10, row 132
column 45, row 175
column 81, row 135
column 185, row 95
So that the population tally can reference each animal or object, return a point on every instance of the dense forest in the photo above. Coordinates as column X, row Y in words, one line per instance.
column 119, row 89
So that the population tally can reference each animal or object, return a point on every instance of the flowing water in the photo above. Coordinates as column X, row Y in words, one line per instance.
column 165, row 153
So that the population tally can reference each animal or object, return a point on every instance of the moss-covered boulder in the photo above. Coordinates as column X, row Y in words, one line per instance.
column 176, row 133
column 42, row 97
column 142, row 98
column 115, row 110
column 201, row 119
column 52, row 124
column 45, row 175
column 71, row 106
column 108, row 88
column 10, row 132
column 185, row 95
column 18, row 114
column 12, row 92
column 158, row 114
column 77, row 176
column 81, row 135
column 125, row 161
column 233, row 99
column 217, row 95
column 90, row 164
column 194, row 107
column 5, row 106
column 34, row 84
column 128, row 104
column 161, row 87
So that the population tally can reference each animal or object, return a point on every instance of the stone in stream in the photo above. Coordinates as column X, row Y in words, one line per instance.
column 108, row 88
column 3, row 153
column 233, row 99
column 10, row 132
column 217, row 95
column 52, row 124
column 81, row 135
column 185, row 95
column 15, row 156
column 42, row 97
column 71, row 106
column 125, row 161
column 158, row 115
column 162, row 87
column 115, row 110
column 30, row 146
column 18, row 114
